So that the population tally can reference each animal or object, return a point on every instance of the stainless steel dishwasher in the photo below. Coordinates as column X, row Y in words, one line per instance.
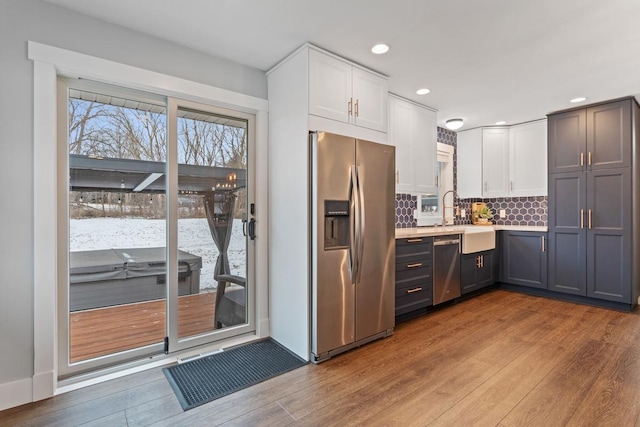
column 446, row 268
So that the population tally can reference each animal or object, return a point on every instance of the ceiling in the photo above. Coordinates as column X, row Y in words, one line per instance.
column 483, row 60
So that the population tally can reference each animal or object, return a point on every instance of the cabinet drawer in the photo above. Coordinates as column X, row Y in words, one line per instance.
column 417, row 245
column 413, row 262
column 413, row 297
column 422, row 273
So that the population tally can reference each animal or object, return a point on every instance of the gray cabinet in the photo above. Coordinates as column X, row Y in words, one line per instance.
column 567, row 233
column 478, row 270
column 592, row 138
column 414, row 274
column 524, row 258
column 591, row 196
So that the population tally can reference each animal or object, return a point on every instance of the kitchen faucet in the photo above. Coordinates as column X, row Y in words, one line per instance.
column 444, row 208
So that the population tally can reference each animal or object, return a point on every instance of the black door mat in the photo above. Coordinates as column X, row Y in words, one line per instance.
column 212, row 377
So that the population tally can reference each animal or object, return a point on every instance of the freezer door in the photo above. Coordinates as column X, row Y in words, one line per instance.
column 375, row 287
column 333, row 290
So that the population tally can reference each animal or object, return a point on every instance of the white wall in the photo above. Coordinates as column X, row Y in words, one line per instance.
column 23, row 20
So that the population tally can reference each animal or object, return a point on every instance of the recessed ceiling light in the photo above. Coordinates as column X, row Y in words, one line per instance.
column 423, row 91
column 379, row 49
column 501, row 122
column 578, row 99
column 454, row 124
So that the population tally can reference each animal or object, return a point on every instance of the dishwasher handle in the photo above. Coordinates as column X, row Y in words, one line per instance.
column 446, row 242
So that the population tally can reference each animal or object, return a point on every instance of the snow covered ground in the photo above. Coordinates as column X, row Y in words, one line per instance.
column 193, row 237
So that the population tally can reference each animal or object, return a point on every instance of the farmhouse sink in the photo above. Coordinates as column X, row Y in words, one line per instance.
column 478, row 238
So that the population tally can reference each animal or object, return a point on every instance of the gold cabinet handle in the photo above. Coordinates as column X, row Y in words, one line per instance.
column 543, row 248
column 589, row 159
column 478, row 261
column 414, row 240
column 410, row 291
column 581, row 218
column 417, row 264
column 350, row 106
column 589, row 214
column 581, row 159
column 356, row 108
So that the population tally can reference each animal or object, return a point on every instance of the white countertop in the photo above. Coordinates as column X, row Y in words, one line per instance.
column 458, row 229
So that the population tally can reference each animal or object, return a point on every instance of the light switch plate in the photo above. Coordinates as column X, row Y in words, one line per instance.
column 503, row 213
column 463, row 213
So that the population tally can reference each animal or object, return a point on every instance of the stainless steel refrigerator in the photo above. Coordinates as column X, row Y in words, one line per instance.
column 353, row 243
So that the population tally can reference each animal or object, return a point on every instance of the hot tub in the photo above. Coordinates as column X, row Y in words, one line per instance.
column 108, row 277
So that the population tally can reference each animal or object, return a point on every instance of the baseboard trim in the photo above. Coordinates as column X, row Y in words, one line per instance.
column 568, row 297
column 16, row 393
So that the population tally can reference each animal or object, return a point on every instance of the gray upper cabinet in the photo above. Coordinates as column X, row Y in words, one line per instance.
column 567, row 140
column 594, row 213
column 593, row 138
column 609, row 136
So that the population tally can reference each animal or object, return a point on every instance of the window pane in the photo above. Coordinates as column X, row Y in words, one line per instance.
column 212, row 159
column 117, row 224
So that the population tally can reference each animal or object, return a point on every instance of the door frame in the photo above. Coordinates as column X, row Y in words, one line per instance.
column 49, row 63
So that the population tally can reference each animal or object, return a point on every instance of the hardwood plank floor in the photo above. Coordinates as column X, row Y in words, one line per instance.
column 500, row 359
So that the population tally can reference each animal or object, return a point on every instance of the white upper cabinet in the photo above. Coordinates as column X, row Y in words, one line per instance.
column 400, row 125
column 495, row 162
column 425, row 149
column 469, row 170
column 503, row 162
column 528, row 159
column 341, row 91
column 412, row 130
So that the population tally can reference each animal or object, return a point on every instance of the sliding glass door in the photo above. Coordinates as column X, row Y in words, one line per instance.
column 156, row 216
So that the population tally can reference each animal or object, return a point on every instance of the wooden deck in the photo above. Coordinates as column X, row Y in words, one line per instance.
column 108, row 330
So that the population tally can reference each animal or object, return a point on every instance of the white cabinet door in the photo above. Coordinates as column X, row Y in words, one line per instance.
column 424, row 151
column 528, row 159
column 495, row 162
column 346, row 93
column 412, row 130
column 330, row 87
column 469, row 171
column 400, row 126
column 369, row 100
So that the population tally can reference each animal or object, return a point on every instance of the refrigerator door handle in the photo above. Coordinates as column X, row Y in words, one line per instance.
column 361, row 215
column 355, row 224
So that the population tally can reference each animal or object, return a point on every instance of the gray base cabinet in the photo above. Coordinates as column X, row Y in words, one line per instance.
column 478, row 270
column 593, row 201
column 414, row 274
column 524, row 258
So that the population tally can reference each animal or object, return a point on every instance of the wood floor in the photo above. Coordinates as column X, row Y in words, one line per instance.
column 108, row 330
column 500, row 359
